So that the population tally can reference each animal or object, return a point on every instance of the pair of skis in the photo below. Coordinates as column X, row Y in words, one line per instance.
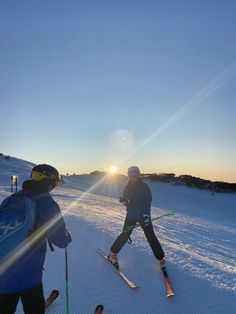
column 99, row 309
column 54, row 294
column 169, row 289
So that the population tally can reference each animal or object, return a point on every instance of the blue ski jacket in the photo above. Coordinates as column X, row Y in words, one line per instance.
column 139, row 198
column 27, row 271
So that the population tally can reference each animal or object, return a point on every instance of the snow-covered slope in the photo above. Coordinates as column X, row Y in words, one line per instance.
column 14, row 166
column 199, row 242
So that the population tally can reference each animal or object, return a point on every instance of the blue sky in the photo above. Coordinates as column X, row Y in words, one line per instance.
column 74, row 73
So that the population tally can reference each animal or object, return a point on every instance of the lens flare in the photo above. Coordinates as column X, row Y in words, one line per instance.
column 122, row 140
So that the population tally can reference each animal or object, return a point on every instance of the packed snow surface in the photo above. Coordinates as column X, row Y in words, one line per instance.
column 199, row 242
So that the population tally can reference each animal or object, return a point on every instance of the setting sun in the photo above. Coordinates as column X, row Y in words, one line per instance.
column 113, row 169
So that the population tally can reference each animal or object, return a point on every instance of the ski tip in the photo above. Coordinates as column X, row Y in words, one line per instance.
column 52, row 297
column 99, row 309
column 135, row 288
column 54, row 294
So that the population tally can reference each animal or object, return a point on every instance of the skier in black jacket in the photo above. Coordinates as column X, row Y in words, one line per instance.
column 137, row 198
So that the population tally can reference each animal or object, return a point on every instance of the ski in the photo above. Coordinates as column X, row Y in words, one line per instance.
column 99, row 309
column 52, row 297
column 122, row 275
column 169, row 289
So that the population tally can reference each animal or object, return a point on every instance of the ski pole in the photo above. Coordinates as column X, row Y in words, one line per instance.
column 67, row 290
column 130, row 228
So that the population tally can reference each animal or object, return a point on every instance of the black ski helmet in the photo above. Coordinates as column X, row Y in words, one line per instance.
column 45, row 172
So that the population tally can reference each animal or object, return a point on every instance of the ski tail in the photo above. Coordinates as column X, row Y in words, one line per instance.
column 169, row 289
column 99, row 309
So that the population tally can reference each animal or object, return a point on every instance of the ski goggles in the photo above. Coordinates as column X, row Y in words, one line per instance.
column 38, row 176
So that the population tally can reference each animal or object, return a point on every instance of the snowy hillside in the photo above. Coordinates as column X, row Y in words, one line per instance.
column 13, row 166
column 199, row 242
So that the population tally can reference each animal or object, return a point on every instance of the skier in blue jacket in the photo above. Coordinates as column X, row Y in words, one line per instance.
column 23, row 279
column 137, row 198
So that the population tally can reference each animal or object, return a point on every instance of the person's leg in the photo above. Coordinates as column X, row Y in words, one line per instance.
column 33, row 300
column 8, row 303
column 153, row 241
column 123, row 237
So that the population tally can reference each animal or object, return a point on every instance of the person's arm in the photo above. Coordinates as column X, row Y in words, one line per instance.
column 124, row 199
column 56, row 229
column 147, row 200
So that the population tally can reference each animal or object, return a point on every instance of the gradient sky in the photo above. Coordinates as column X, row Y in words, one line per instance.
column 87, row 84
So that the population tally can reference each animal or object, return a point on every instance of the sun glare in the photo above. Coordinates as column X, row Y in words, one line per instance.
column 113, row 169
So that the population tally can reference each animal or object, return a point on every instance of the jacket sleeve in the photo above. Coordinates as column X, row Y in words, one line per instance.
column 147, row 200
column 125, row 192
column 55, row 225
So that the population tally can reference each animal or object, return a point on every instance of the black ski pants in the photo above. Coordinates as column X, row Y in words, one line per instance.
column 150, row 236
column 32, row 300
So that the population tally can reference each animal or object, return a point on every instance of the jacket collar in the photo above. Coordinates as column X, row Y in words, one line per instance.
column 36, row 186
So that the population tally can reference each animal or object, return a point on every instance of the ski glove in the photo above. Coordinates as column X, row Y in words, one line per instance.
column 123, row 201
column 146, row 219
column 68, row 236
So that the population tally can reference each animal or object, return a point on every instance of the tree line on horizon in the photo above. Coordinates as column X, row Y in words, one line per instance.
column 187, row 180
column 191, row 181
